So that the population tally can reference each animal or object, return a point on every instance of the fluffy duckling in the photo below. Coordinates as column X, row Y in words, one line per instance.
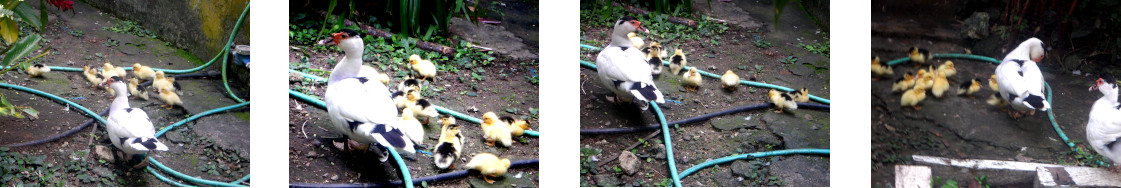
column 948, row 68
column 782, row 101
column 109, row 74
column 170, row 99
column 692, row 79
column 996, row 100
column 135, row 89
column 913, row 97
column 904, row 83
column 495, row 130
column 801, row 96
column 37, row 70
column 654, row 58
column 424, row 109
column 93, row 76
column 730, row 80
column 368, row 71
column 143, row 72
column 879, row 70
column 992, row 84
column 919, row 55
column 635, row 40
column 412, row 127
column 925, row 82
column 677, row 62
column 165, row 82
column 450, row 145
column 517, row 126
column 488, row 165
column 968, row 88
column 409, row 84
column 406, row 100
column 117, row 70
column 941, row 85
column 425, row 68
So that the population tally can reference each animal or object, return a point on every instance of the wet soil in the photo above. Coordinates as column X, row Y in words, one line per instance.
column 965, row 127
column 744, row 132
column 215, row 147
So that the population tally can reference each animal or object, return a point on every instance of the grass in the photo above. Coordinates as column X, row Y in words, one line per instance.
column 821, row 48
column 130, row 27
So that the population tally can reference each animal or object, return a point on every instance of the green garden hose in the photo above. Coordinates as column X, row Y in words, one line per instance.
column 56, row 98
column 706, row 164
column 184, row 121
column 668, row 142
column 408, row 179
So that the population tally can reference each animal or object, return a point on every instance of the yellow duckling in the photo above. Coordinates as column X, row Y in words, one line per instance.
column 782, row 101
column 692, row 79
column 968, row 88
column 948, row 68
column 37, row 70
column 488, row 165
column 635, row 40
column 919, row 56
column 450, row 145
column 135, row 89
column 517, row 126
column 992, row 84
column 996, row 100
column 406, row 100
column 93, row 76
column 903, row 83
column 170, row 99
column 880, row 70
column 801, row 96
column 941, row 85
column 425, row 68
column 677, row 62
column 913, row 97
column 495, row 130
column 143, row 72
column 411, row 126
column 160, row 81
column 730, row 80
column 118, row 71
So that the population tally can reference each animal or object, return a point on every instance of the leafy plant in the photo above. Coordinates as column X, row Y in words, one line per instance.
column 789, row 59
column 130, row 27
column 817, row 48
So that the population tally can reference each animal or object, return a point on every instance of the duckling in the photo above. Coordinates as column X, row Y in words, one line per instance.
column 37, row 70
column 143, row 72
column 93, row 76
column 109, row 74
column 368, row 71
column 407, row 99
column 424, row 109
column 170, row 99
column 399, row 99
column 996, row 100
column 913, row 97
column 730, row 80
column 517, row 126
column 880, row 70
column 409, row 84
column 424, row 68
column 992, row 84
column 782, row 101
column 165, row 82
column 677, row 62
column 655, row 49
column 654, row 58
column 903, row 83
column 941, row 85
column 116, row 70
column 411, row 127
column 488, row 165
column 637, row 42
column 919, row 55
column 925, row 82
column 968, row 88
column 135, row 89
column 948, row 68
column 801, row 96
column 495, row 130
column 692, row 79
column 450, row 145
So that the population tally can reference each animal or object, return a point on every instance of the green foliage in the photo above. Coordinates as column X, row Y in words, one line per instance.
column 586, row 163
column 130, row 27
column 821, row 48
column 983, row 180
column 789, row 60
column 759, row 175
column 761, row 43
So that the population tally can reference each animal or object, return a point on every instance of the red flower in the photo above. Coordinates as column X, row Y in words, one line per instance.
column 62, row 4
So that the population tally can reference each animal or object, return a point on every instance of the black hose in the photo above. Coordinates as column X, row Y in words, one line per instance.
column 439, row 177
column 808, row 106
column 60, row 135
column 192, row 75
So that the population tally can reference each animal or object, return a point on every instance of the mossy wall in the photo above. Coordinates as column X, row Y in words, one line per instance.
column 199, row 26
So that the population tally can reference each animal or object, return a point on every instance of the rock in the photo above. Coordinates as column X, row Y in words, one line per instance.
column 726, row 180
column 176, row 137
column 763, row 138
column 103, row 153
column 976, row 26
column 725, row 124
column 606, row 180
column 335, row 177
column 491, row 36
column 801, row 171
column 799, row 69
column 628, row 162
column 741, row 168
column 660, row 151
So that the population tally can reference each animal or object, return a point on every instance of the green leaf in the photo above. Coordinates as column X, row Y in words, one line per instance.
column 27, row 13
column 9, row 31
column 31, row 112
column 21, row 48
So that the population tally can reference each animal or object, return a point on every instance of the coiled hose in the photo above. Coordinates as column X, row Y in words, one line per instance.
column 435, row 178
column 706, row 164
column 810, row 106
column 160, row 166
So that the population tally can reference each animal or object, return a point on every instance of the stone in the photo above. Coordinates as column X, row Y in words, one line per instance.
column 606, row 180
column 976, row 26
column 726, row 180
column 799, row 69
column 801, row 171
column 104, row 153
column 629, row 162
column 491, row 36
column 176, row 137
column 725, row 124
column 741, row 168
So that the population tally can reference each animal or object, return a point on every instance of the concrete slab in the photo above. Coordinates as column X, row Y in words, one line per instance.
column 912, row 176
column 1076, row 177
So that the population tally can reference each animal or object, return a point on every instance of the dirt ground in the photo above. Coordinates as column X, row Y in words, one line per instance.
column 505, row 91
column 966, row 127
column 215, row 147
column 745, row 132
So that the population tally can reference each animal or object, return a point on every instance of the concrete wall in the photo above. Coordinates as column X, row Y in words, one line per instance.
column 199, row 26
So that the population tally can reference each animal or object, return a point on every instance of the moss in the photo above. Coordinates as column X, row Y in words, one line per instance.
column 242, row 115
column 188, row 56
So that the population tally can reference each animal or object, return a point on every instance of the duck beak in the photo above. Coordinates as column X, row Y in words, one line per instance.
column 638, row 26
column 327, row 41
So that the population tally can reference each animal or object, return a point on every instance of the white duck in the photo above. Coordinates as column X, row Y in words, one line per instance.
column 1103, row 131
column 129, row 128
column 1019, row 78
column 352, row 110
column 623, row 67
